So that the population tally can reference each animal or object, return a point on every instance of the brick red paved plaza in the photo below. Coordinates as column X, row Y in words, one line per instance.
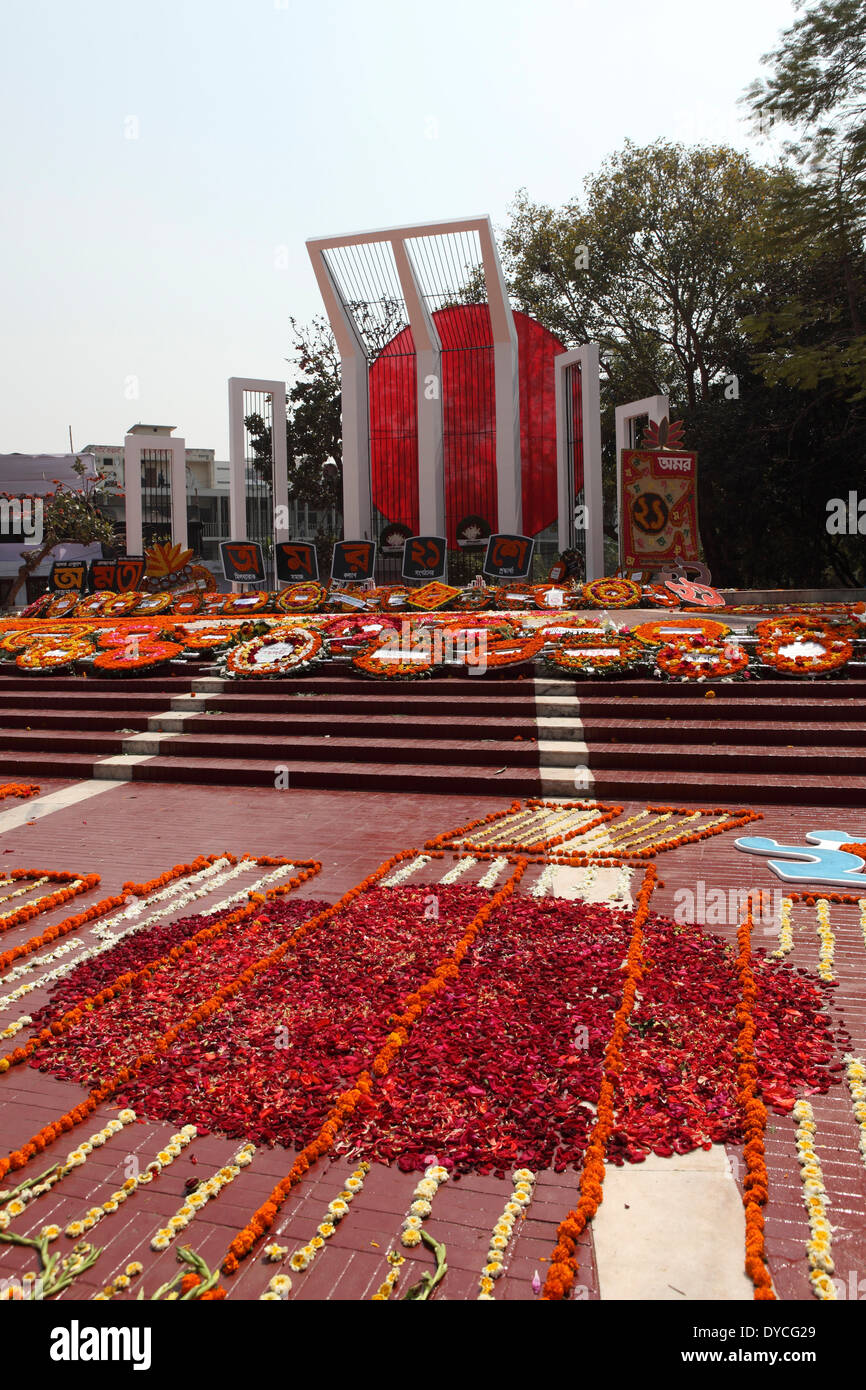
column 136, row 830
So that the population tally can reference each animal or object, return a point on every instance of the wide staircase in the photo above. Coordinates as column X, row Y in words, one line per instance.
column 515, row 733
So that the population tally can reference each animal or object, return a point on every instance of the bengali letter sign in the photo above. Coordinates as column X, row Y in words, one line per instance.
column 297, row 562
column 508, row 557
column 659, row 506
column 242, row 562
column 353, row 561
column 424, row 557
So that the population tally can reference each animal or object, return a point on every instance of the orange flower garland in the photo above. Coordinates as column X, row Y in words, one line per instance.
column 70, row 924
column 401, row 1024
column 52, row 653
column 756, row 1180
column 563, row 1261
column 834, row 651
column 76, row 884
column 612, row 593
column 664, row 632
column 45, row 1136
column 705, row 661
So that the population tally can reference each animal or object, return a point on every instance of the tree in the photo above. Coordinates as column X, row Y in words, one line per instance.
column 68, row 517
column 650, row 263
column 817, row 90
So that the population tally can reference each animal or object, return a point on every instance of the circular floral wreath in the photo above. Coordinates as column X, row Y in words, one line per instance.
column 35, row 609
column 612, row 593
column 702, row 660
column 120, row 605
column 203, row 636
column 154, row 603
column 659, row 634
column 96, row 605
column 657, row 596
column 61, row 605
column 134, row 657
column 120, row 636
column 803, row 625
column 615, row 654
column 508, row 651
column 280, row 651
column 187, row 604
column 407, row 663
column 253, row 601
column 571, row 597
column 820, row 653
column 212, row 603
column 473, row 600
column 20, row 638
column 49, row 654
column 301, row 598
column 515, row 596
column 356, row 630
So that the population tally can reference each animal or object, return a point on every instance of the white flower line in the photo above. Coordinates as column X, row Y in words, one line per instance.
column 182, row 902
column 406, row 871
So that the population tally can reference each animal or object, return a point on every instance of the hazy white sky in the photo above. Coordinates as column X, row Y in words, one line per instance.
column 163, row 162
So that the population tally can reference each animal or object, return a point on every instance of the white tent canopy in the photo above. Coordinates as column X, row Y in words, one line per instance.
column 39, row 473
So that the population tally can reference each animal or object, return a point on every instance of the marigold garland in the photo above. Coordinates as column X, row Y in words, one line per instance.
column 414, row 1005
column 48, row 1133
column 75, row 886
column 700, row 661
column 664, row 632
column 756, row 1182
column 612, row 593
column 563, row 1262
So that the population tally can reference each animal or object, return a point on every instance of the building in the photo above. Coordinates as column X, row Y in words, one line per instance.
column 207, row 490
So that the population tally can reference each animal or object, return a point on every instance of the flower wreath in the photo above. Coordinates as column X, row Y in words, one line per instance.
column 667, row 632
column 51, row 654
column 187, row 604
column 148, row 654
column 253, row 601
column 301, row 598
column 20, row 638
column 356, row 630
column 405, row 664
column 657, row 596
column 96, row 605
column 119, row 605
column 795, row 625
column 153, row 603
column 819, row 653
column 61, row 605
column 203, row 636
column 120, row 636
column 508, row 651
column 212, row 603
column 35, row 609
column 612, row 593
column 515, row 596
column 615, row 654
column 701, row 660
column 571, row 597
column 278, row 652
column 473, row 600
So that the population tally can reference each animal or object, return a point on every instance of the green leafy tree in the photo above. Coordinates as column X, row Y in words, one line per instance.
column 813, row 328
column 68, row 517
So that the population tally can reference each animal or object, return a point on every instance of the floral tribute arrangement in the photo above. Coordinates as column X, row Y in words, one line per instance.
column 506, row 1032
column 69, row 635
